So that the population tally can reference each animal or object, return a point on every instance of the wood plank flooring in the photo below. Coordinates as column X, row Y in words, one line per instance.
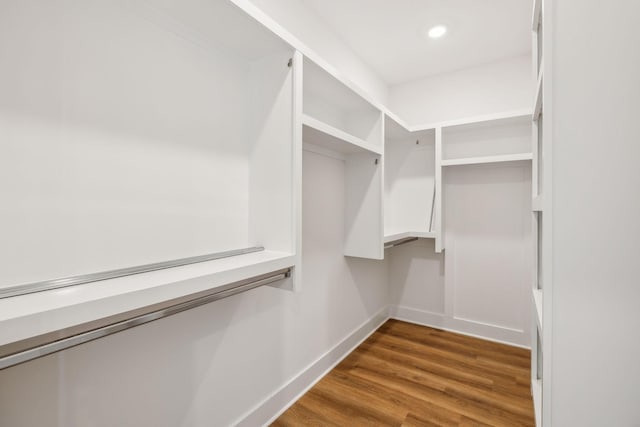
column 414, row 376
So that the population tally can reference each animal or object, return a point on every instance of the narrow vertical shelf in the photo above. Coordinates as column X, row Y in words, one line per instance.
column 339, row 123
column 409, row 182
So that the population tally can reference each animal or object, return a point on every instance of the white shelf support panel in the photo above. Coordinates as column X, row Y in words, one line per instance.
column 439, row 244
column 330, row 138
column 488, row 159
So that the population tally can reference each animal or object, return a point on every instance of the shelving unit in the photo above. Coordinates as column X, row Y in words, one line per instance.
column 493, row 139
column 136, row 179
column 330, row 138
column 339, row 123
column 408, row 234
column 409, row 182
column 541, row 284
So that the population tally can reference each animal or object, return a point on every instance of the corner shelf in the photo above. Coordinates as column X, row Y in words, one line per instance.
column 328, row 137
column 488, row 159
column 408, row 234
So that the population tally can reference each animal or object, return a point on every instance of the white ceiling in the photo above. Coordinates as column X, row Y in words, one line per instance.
column 389, row 35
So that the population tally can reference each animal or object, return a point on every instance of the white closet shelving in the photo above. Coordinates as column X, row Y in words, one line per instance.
column 132, row 178
column 338, row 122
column 487, row 159
column 330, row 138
column 541, row 218
column 409, row 182
column 491, row 139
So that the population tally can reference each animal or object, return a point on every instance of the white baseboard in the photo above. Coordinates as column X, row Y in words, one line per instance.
column 463, row 326
column 277, row 403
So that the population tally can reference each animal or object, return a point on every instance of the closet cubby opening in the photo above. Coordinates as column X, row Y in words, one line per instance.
column 409, row 182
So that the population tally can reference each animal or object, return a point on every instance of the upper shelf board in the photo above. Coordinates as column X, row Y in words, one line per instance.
column 406, row 234
column 395, row 131
column 488, row 159
column 326, row 136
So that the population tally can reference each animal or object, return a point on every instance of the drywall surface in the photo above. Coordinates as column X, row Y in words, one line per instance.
column 303, row 23
column 595, row 346
column 212, row 365
column 486, row 89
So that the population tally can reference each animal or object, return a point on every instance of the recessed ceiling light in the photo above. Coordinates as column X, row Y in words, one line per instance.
column 437, row 31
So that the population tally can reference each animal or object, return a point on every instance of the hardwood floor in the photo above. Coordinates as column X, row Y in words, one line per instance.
column 413, row 376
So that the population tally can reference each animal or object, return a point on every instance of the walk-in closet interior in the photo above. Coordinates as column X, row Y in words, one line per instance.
column 319, row 212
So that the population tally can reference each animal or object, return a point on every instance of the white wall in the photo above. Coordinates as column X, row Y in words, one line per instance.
column 486, row 89
column 304, row 24
column 596, row 200
column 211, row 365
column 94, row 155
column 480, row 284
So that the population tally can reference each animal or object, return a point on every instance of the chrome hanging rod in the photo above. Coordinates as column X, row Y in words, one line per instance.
column 121, row 272
column 399, row 242
column 53, row 342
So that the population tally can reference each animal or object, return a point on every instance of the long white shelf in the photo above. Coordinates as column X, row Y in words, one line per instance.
column 328, row 137
column 407, row 234
column 30, row 315
column 537, row 302
column 487, row 159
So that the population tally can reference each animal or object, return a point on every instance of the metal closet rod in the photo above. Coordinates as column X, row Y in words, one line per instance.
column 53, row 342
column 47, row 285
column 400, row 242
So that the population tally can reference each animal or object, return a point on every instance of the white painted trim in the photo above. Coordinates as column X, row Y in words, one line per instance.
column 287, row 395
column 475, row 329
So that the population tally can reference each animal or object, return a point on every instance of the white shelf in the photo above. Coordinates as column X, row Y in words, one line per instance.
column 30, row 315
column 488, row 159
column 328, row 137
column 407, row 234
column 537, row 301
